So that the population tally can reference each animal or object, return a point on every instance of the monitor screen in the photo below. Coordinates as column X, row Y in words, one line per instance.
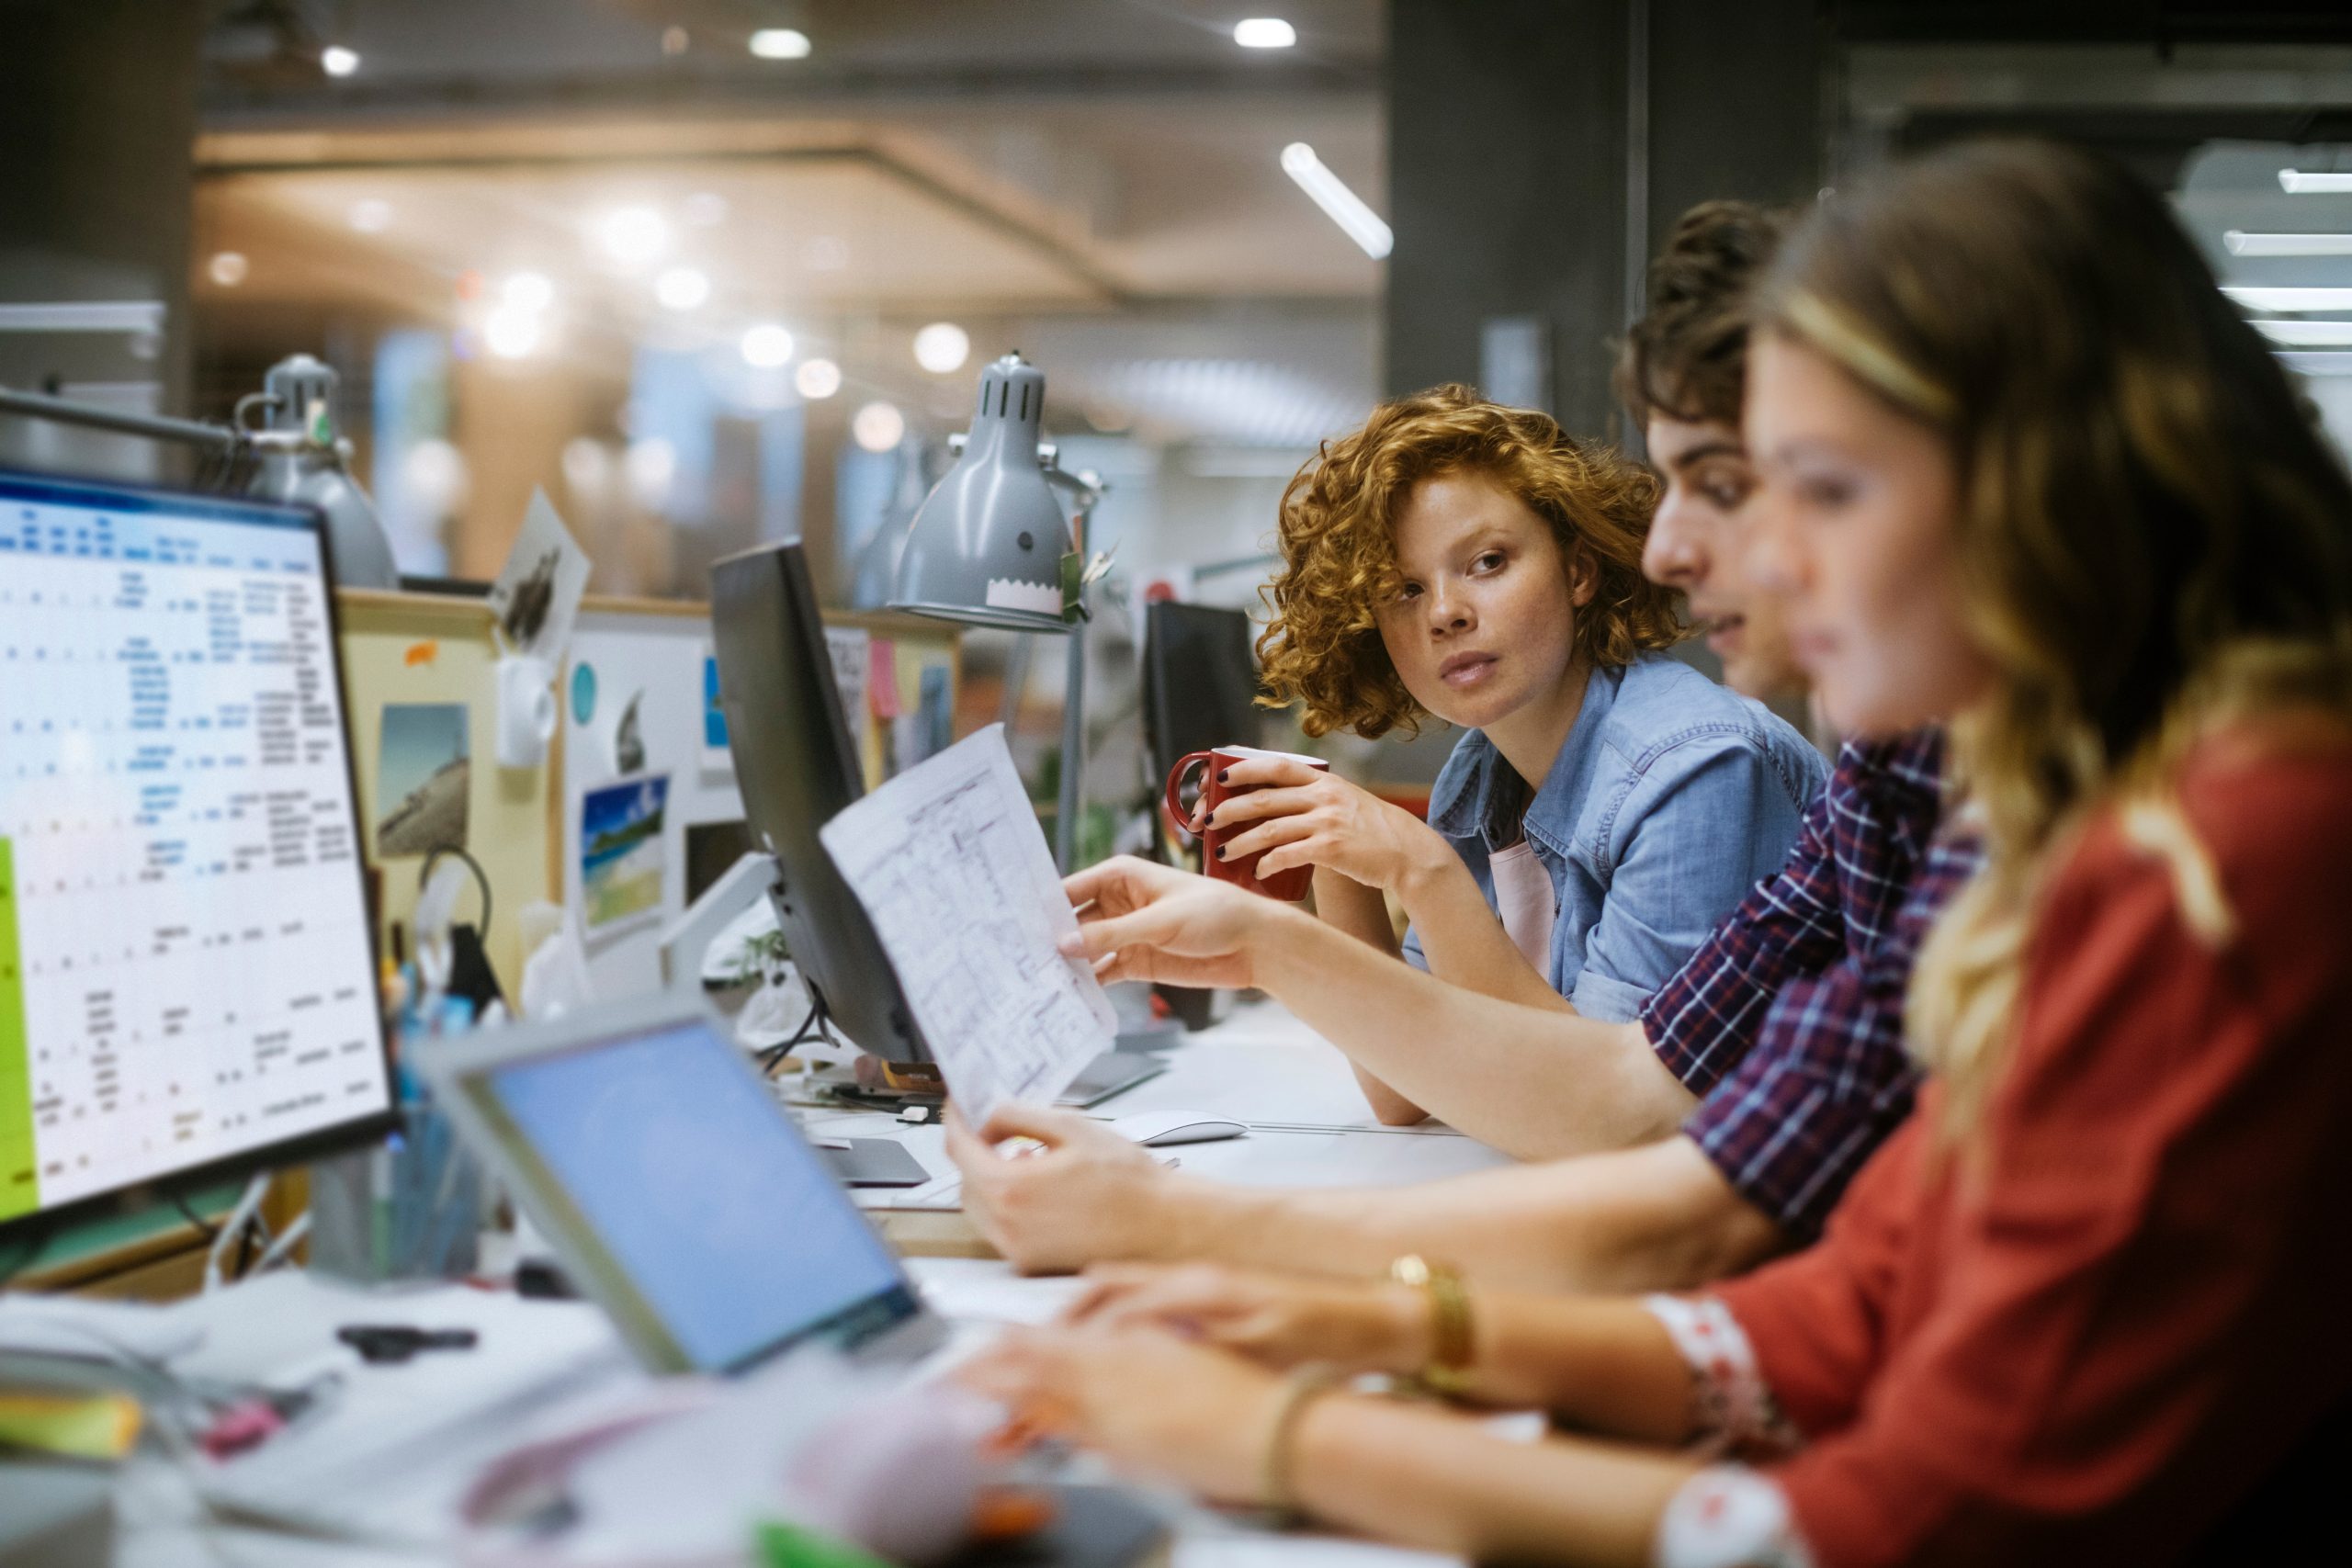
column 1200, row 682
column 797, row 767
column 709, row 1226
column 187, row 975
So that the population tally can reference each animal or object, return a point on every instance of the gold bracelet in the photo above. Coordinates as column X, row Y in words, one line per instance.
column 1302, row 1387
column 1452, row 1346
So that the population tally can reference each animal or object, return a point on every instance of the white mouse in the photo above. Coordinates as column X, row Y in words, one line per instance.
column 1157, row 1129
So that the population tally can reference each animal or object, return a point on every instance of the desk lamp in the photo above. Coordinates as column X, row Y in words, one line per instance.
column 992, row 545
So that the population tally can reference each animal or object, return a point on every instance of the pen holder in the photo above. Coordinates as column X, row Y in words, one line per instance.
column 408, row 1209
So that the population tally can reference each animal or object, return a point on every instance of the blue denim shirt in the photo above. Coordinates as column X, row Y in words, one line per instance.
column 1671, row 798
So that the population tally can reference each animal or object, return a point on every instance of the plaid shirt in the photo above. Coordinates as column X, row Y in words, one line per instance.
column 1788, row 1021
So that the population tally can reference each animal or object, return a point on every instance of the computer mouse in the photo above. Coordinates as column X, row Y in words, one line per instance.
column 1158, row 1129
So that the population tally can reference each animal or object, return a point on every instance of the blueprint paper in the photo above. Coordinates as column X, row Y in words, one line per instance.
column 952, row 867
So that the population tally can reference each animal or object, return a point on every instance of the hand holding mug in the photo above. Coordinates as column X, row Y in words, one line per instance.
column 1286, row 819
column 1228, row 772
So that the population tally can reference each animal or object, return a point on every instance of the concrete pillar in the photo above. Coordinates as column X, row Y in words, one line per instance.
column 98, row 120
column 1522, row 135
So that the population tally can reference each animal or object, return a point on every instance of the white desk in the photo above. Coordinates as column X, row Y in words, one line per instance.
column 1308, row 1123
column 258, row 1331
column 1309, row 1127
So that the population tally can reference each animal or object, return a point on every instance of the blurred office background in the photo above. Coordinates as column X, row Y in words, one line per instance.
column 718, row 271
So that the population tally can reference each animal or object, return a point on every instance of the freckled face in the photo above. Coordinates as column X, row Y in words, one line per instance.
column 1485, row 621
column 1697, row 544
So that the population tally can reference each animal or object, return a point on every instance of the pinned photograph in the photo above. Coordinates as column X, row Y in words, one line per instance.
column 423, row 777
column 622, row 851
column 718, row 756
column 537, row 593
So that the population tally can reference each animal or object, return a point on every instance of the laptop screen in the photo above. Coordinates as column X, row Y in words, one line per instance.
column 668, row 1171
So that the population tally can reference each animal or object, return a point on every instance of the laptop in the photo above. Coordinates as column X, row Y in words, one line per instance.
column 680, row 1197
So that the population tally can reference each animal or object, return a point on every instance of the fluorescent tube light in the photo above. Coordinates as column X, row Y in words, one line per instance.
column 2314, row 182
column 2241, row 244
column 2263, row 297
column 2320, row 364
column 1264, row 33
column 1342, row 205
column 2308, row 334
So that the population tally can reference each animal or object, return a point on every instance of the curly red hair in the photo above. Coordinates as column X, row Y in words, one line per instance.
column 1321, row 646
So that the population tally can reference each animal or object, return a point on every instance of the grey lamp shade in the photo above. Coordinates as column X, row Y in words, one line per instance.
column 986, row 547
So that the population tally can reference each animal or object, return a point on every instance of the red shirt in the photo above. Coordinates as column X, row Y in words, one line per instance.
column 2089, row 1346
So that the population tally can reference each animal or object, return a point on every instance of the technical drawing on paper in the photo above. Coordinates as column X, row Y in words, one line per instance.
column 951, row 865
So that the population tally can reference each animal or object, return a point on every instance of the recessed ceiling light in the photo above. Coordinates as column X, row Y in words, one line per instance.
column 817, row 378
column 512, row 331
column 681, row 288
column 228, row 268
column 780, row 44
column 878, row 427
column 634, row 235
column 2243, row 244
column 766, row 346
column 2314, row 182
column 1342, row 205
column 527, row 291
column 941, row 348
column 1264, row 33
column 337, row 61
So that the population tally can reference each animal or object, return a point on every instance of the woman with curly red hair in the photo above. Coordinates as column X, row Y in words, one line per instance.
column 1607, row 805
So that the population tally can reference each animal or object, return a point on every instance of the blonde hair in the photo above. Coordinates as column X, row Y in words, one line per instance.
column 2154, row 541
column 1337, row 537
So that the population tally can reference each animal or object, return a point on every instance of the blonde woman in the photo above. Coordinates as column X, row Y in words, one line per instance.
column 2027, row 471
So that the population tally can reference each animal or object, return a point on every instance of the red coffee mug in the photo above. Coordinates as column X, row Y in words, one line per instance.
column 1290, row 885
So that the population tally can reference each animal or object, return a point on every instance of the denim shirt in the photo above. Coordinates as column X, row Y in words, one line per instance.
column 1671, row 798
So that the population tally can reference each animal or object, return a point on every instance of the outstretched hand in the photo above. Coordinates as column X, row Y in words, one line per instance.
column 1142, row 921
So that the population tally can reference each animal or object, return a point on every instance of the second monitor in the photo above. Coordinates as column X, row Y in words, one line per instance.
column 797, row 767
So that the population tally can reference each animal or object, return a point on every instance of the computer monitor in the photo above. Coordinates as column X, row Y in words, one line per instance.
column 188, row 969
column 1200, row 682
column 796, row 766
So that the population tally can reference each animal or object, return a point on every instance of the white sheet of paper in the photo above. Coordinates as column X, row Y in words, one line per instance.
column 850, row 648
column 950, row 863
column 538, row 590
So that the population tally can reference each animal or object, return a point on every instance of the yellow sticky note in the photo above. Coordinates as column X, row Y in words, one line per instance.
column 77, row 1426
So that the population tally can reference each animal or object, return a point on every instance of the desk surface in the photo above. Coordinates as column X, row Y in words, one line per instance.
column 1308, row 1125
column 265, row 1329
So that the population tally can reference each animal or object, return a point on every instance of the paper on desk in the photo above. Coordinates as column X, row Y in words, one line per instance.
column 951, row 865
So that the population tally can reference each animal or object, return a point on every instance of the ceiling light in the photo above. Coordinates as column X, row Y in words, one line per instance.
column 706, row 209
column 2308, row 334
column 1264, row 33
column 682, row 289
column 634, row 235
column 513, row 332
column 780, row 44
column 228, row 268
column 2241, row 244
column 941, row 348
column 2265, row 298
column 768, row 346
column 2319, row 364
column 337, row 61
column 2314, row 182
column 1342, row 205
column 817, row 378
column 878, row 427
column 527, row 291
column 370, row 215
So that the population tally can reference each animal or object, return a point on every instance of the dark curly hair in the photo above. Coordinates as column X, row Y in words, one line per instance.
column 1687, row 358
column 1321, row 646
